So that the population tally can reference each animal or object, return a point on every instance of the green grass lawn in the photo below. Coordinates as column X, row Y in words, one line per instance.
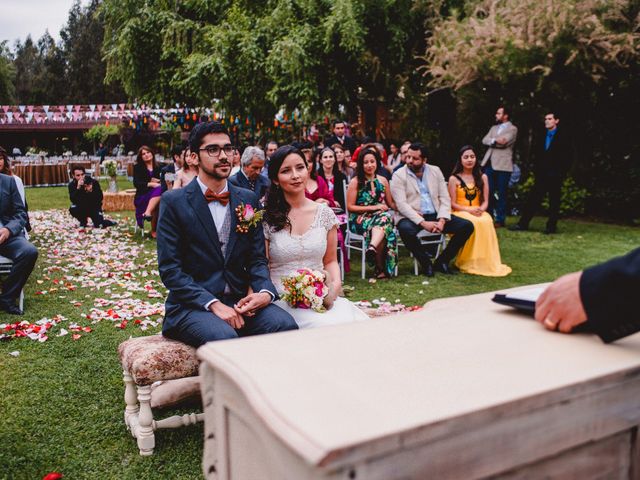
column 62, row 405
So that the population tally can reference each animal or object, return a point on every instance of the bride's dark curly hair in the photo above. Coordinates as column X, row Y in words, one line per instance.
column 276, row 208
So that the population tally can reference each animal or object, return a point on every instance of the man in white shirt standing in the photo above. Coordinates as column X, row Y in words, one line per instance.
column 498, row 163
column 207, row 263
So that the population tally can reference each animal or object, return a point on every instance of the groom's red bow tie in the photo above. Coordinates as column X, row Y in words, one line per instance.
column 222, row 198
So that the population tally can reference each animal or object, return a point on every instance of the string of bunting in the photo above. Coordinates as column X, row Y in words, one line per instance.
column 144, row 116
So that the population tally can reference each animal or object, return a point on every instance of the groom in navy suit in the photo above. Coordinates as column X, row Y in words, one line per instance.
column 205, row 263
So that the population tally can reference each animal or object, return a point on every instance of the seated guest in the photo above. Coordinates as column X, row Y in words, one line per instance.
column 332, row 175
column 423, row 203
column 316, row 186
column 249, row 177
column 343, row 161
column 469, row 192
column 187, row 173
column 5, row 167
column 369, row 201
column 236, row 161
column 211, row 298
column 269, row 149
column 172, row 168
column 146, row 179
column 86, row 199
column 394, row 156
column 13, row 244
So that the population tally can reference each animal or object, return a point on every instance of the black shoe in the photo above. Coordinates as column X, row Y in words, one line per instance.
column 427, row 269
column 370, row 256
column 11, row 309
column 108, row 223
column 550, row 231
column 83, row 225
column 444, row 268
column 518, row 228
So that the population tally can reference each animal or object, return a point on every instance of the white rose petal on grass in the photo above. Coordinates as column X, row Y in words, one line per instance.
column 15, row 353
column 421, row 292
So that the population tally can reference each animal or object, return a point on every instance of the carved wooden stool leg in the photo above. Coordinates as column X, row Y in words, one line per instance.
column 144, row 434
column 130, row 400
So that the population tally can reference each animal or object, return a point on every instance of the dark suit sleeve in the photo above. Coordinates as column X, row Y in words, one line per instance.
column 97, row 194
column 258, row 266
column 182, row 286
column 233, row 180
column 73, row 192
column 19, row 218
column 608, row 291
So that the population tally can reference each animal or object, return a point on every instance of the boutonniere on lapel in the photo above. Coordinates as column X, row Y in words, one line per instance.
column 247, row 217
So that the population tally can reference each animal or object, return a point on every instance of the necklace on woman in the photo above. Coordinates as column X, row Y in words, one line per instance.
column 470, row 193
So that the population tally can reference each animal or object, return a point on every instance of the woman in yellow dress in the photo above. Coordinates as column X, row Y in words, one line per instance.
column 469, row 192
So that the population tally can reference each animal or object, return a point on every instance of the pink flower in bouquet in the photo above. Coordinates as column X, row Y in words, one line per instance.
column 305, row 289
column 248, row 212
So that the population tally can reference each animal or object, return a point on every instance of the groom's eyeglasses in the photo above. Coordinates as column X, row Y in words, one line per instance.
column 214, row 150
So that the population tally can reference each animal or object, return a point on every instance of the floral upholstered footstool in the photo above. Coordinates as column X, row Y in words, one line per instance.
column 147, row 361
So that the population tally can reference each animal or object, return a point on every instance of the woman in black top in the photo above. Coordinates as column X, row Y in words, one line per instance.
column 146, row 179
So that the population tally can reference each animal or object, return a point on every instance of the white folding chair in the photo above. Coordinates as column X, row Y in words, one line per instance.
column 428, row 238
column 353, row 241
column 5, row 267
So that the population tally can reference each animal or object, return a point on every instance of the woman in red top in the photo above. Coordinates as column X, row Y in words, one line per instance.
column 316, row 187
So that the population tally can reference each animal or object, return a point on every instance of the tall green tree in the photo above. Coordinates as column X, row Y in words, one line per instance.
column 30, row 70
column 7, row 74
column 254, row 58
column 81, row 45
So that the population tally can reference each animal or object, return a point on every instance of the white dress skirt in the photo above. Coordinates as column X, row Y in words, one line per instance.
column 288, row 253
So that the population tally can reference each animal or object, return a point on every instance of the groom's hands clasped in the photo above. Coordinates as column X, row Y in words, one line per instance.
column 251, row 303
column 228, row 314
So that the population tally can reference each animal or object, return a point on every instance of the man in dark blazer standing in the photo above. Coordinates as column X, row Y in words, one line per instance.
column 603, row 298
column 14, row 245
column 553, row 159
column 251, row 164
column 217, row 275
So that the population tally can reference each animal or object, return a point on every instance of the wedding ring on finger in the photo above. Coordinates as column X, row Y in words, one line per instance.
column 550, row 323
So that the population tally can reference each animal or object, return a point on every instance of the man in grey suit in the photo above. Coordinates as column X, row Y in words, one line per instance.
column 13, row 245
column 498, row 163
column 217, row 274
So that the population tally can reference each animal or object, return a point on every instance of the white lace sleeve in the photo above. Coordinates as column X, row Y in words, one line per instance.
column 267, row 230
column 327, row 219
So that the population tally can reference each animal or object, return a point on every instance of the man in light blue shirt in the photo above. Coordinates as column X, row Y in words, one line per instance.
column 423, row 203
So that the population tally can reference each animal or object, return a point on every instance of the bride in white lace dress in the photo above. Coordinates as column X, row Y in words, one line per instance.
column 301, row 233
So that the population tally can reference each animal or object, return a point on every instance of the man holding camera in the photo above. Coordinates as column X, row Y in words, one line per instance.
column 86, row 199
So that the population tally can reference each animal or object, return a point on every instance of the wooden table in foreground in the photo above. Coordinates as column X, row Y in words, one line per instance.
column 464, row 388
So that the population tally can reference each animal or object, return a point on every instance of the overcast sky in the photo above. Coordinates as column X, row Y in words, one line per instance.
column 19, row 18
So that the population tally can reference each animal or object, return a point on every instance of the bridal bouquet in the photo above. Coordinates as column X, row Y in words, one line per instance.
column 305, row 289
